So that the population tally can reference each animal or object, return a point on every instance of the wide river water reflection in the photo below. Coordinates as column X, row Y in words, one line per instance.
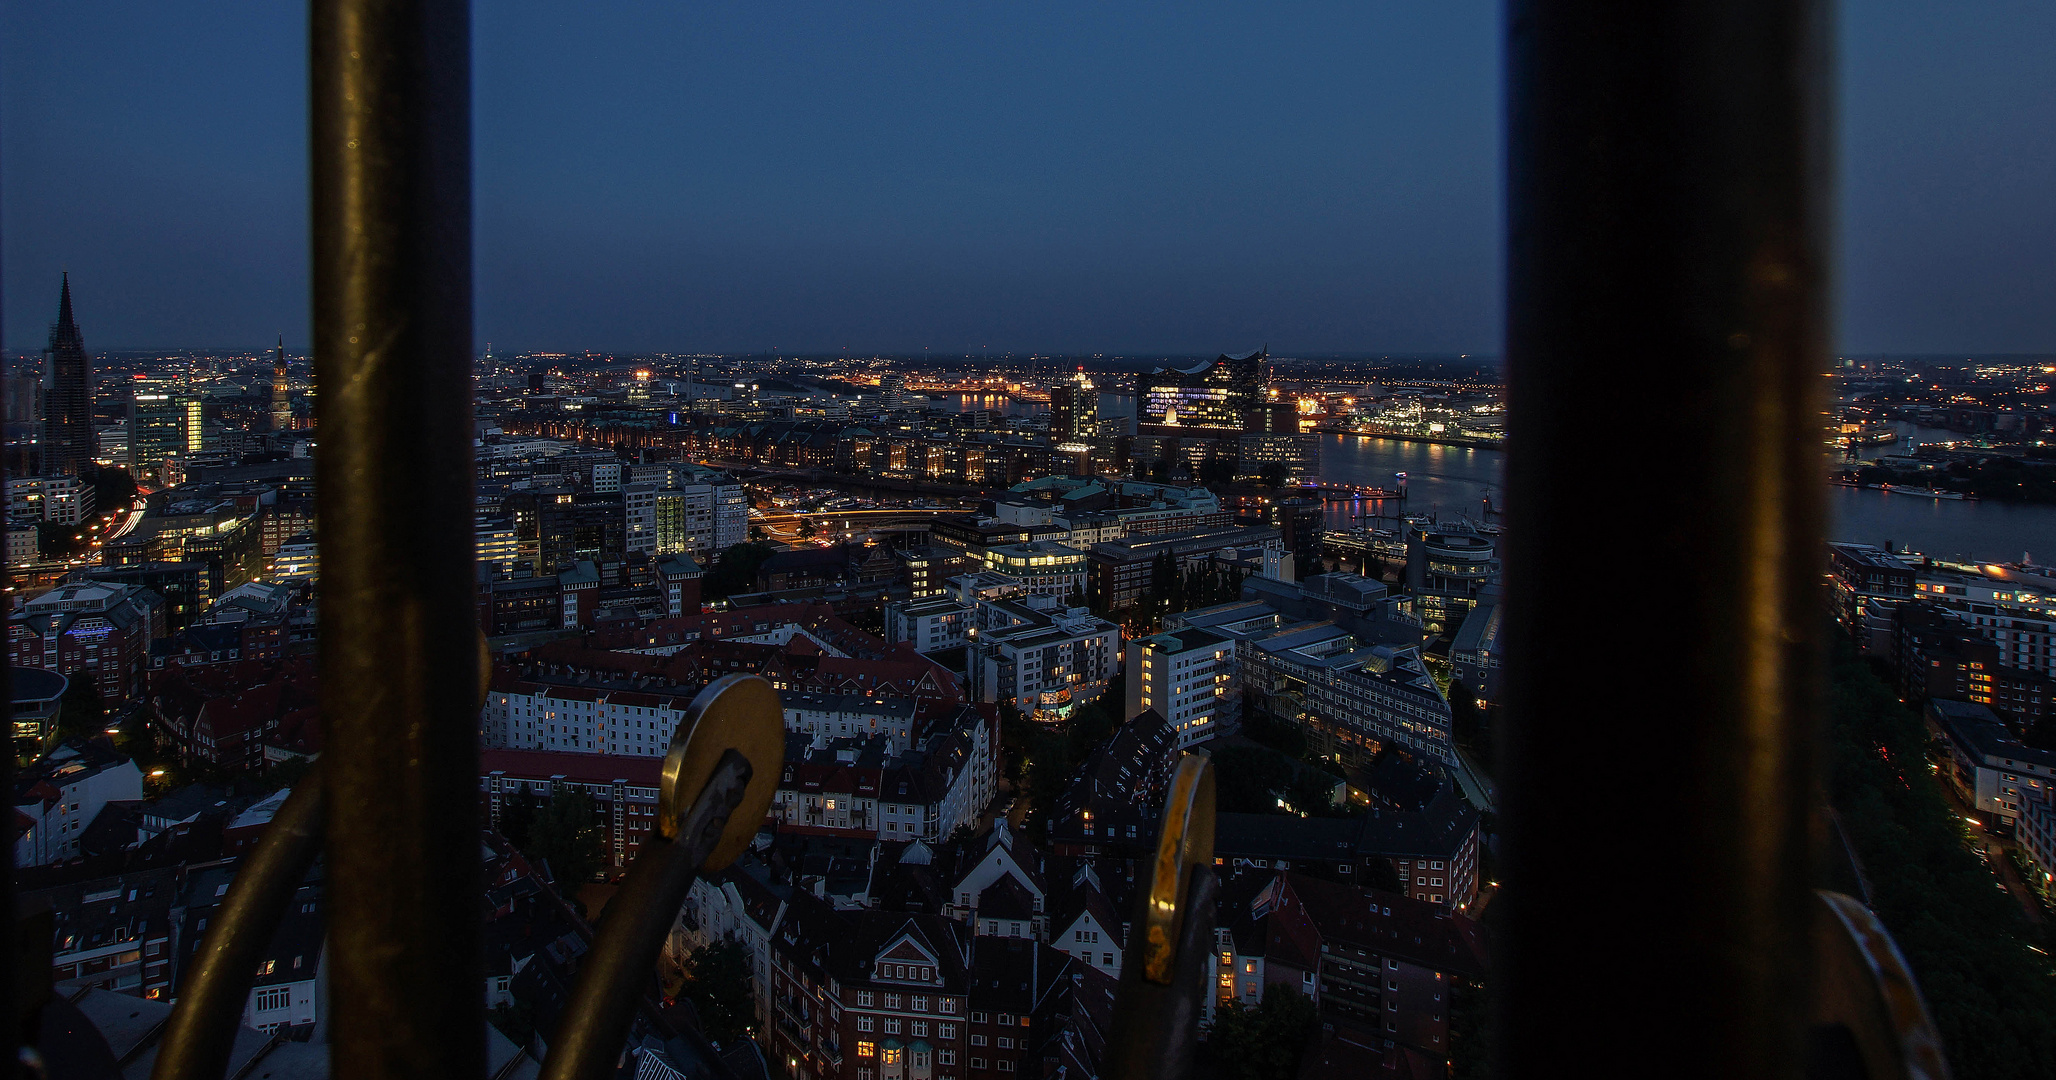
column 1456, row 480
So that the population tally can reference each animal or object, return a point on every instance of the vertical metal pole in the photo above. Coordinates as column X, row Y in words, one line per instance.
column 1666, row 338
column 10, row 1028
column 399, row 656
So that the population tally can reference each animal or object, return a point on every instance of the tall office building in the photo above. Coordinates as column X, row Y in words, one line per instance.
column 164, row 422
column 1073, row 410
column 281, row 404
column 68, row 403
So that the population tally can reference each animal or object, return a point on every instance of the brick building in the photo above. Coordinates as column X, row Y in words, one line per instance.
column 101, row 630
column 1377, row 966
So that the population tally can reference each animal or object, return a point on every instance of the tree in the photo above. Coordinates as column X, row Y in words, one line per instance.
column 517, row 821
column 566, row 834
column 1216, row 470
column 1160, row 472
column 1467, row 724
column 735, row 570
column 1245, row 778
column 516, row 1020
column 1313, row 791
column 1266, row 1042
column 285, row 774
column 57, row 540
column 1091, row 723
column 717, row 982
column 1979, row 964
column 80, row 713
column 808, row 529
column 113, row 489
column 1272, row 475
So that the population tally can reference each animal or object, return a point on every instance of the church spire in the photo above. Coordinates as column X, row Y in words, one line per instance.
column 68, row 442
column 66, row 332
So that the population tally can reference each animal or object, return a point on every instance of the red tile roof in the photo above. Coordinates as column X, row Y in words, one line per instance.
column 583, row 768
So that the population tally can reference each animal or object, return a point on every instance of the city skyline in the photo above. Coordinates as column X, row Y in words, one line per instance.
column 1068, row 182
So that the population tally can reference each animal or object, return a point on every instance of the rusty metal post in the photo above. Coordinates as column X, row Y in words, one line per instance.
column 391, row 174
column 1667, row 279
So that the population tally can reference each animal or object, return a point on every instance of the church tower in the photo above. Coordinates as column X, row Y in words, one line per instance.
column 68, row 442
column 281, row 404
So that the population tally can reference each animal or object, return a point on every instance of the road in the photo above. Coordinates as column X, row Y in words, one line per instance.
column 784, row 525
column 1994, row 850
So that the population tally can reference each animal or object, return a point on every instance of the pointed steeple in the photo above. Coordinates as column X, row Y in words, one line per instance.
column 66, row 331
column 68, row 442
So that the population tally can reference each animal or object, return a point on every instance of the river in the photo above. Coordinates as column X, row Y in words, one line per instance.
column 1456, row 480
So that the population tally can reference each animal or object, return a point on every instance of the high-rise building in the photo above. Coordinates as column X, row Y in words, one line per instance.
column 1073, row 410
column 68, row 402
column 164, row 422
column 281, row 403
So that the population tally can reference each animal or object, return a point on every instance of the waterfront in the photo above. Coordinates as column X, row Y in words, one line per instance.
column 1452, row 480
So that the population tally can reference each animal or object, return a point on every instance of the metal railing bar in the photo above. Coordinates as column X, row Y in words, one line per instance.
column 390, row 99
column 202, row 1029
column 621, row 965
column 1154, row 1031
column 1667, row 255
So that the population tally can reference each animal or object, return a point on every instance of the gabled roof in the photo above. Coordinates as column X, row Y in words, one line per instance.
column 1391, row 925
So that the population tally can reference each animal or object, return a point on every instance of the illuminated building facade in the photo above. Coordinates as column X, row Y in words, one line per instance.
column 163, row 423
column 1227, row 393
column 281, row 403
column 1073, row 410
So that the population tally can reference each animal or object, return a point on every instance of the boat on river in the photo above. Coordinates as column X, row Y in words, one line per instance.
column 1929, row 493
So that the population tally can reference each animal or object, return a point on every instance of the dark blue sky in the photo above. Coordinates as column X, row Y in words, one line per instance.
column 666, row 175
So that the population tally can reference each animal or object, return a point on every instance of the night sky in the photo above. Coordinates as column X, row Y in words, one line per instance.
column 966, row 176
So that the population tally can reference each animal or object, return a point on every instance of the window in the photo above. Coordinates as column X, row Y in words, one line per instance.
column 863, row 1023
column 977, row 1017
column 864, row 998
column 1006, row 1020
column 866, row 1048
column 949, row 1031
column 977, row 1062
column 1006, row 1065
column 893, row 1055
column 920, row 1000
column 946, row 1006
column 892, row 1001
column 1006, row 1043
column 892, row 1025
column 978, row 1040
column 1106, row 959
column 920, row 1030
column 274, row 998
column 945, row 1057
